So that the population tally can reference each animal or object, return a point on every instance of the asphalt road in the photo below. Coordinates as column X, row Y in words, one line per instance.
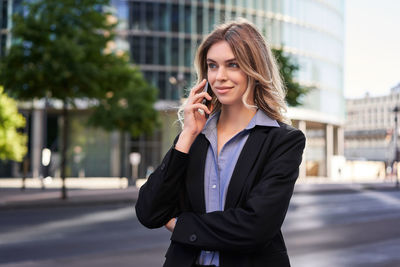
column 352, row 229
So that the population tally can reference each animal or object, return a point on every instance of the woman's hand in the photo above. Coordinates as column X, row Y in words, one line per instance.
column 171, row 224
column 194, row 120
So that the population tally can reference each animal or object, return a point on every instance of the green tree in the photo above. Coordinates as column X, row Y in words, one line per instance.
column 128, row 110
column 64, row 50
column 288, row 68
column 12, row 142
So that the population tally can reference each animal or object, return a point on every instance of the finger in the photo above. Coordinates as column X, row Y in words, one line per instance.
column 194, row 94
column 199, row 97
column 197, row 87
column 200, row 106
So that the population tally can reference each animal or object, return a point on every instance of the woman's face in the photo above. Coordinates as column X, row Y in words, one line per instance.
column 227, row 80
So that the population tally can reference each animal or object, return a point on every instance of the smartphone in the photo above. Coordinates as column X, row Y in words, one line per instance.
column 207, row 88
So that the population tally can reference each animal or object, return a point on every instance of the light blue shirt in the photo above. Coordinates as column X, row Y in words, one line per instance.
column 219, row 168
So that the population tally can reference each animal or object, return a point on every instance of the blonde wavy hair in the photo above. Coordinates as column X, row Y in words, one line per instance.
column 255, row 59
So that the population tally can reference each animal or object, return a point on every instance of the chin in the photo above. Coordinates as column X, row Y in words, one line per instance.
column 229, row 102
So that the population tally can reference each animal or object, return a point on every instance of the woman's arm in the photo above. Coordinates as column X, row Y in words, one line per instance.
column 256, row 222
column 158, row 197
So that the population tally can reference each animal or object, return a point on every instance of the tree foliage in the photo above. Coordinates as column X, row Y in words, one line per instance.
column 288, row 68
column 58, row 51
column 66, row 50
column 12, row 142
column 128, row 110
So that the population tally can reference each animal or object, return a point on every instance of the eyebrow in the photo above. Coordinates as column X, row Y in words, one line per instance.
column 228, row 60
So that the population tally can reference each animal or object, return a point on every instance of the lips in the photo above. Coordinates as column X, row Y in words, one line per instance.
column 223, row 89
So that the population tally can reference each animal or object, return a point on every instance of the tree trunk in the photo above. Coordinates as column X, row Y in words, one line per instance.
column 64, row 149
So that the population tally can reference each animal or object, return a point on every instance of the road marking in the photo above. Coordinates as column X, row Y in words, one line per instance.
column 43, row 230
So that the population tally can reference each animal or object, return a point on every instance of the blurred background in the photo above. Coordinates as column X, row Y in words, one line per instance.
column 89, row 92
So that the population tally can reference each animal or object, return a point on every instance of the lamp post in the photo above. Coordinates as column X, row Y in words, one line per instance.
column 25, row 161
column 395, row 110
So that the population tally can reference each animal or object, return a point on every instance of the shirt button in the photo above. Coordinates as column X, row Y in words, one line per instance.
column 214, row 186
column 192, row 238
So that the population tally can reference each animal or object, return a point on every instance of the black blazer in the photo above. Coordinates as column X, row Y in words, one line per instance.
column 248, row 231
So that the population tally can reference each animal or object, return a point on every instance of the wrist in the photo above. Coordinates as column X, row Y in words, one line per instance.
column 185, row 141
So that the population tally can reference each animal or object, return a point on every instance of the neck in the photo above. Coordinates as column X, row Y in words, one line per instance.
column 235, row 118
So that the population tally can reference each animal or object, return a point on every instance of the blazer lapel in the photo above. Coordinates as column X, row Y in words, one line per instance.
column 245, row 162
column 195, row 182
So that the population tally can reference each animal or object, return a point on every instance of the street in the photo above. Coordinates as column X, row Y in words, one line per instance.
column 347, row 229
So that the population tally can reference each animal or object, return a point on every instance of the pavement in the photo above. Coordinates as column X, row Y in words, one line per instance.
column 12, row 197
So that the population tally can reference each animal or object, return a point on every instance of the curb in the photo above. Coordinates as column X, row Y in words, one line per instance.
column 316, row 189
column 26, row 200
column 63, row 204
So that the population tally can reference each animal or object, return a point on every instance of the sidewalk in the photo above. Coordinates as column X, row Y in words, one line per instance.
column 12, row 197
column 80, row 191
column 329, row 187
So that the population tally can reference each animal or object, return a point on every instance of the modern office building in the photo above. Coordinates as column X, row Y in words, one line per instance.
column 370, row 127
column 162, row 37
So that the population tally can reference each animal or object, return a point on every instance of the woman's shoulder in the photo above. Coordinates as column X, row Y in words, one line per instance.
column 287, row 128
column 285, row 131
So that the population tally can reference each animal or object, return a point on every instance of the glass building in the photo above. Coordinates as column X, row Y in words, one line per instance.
column 162, row 37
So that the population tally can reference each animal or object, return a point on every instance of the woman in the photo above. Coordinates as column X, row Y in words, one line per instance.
column 224, row 187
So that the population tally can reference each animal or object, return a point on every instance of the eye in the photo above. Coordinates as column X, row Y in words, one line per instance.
column 233, row 65
column 211, row 65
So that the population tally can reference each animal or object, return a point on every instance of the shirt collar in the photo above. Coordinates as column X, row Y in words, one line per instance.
column 260, row 118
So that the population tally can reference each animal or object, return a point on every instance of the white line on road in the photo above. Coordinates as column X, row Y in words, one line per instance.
column 40, row 231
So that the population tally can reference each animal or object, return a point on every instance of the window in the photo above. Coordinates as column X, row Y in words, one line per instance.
column 163, row 23
column 199, row 20
column 150, row 16
column 187, row 84
column 174, row 51
column 233, row 15
column 3, row 22
column 149, row 59
column 162, row 50
column 134, row 20
column 188, row 19
column 161, row 85
column 3, row 45
column 222, row 15
column 187, row 53
column 175, row 18
column 211, row 19
column 135, row 48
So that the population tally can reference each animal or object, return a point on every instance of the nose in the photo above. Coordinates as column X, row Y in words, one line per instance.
column 221, row 74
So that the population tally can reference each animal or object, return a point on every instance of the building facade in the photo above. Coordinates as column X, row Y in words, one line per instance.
column 162, row 37
column 370, row 127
